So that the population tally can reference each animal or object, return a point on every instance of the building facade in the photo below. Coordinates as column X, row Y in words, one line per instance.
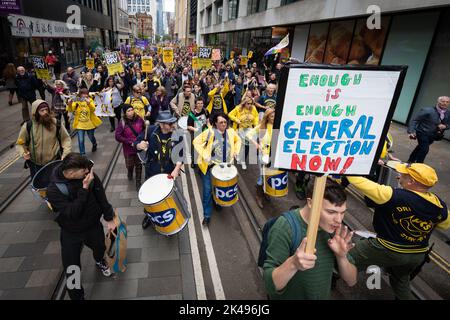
column 120, row 23
column 182, row 16
column 145, row 26
column 35, row 30
column 133, row 26
column 413, row 33
column 143, row 6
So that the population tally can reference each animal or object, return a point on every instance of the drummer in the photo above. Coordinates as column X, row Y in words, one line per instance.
column 42, row 139
column 261, row 136
column 218, row 144
column 159, row 141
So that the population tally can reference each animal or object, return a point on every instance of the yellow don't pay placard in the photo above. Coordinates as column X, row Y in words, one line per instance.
column 90, row 63
column 147, row 64
column 168, row 55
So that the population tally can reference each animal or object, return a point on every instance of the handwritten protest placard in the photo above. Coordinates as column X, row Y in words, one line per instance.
column 147, row 64
column 40, row 68
column 168, row 55
column 113, row 62
column 334, row 119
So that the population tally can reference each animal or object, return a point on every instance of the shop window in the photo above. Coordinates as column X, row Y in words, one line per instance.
column 36, row 46
column 339, row 41
column 317, row 41
column 367, row 45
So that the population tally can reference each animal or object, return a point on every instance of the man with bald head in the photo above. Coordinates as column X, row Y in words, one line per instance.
column 71, row 78
column 26, row 90
column 428, row 126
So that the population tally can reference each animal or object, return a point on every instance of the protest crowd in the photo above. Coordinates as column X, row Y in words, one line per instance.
column 222, row 109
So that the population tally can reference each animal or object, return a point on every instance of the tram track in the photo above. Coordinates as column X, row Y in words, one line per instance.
column 23, row 185
column 60, row 290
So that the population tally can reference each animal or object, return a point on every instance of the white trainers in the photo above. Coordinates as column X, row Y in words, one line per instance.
column 104, row 268
column 244, row 166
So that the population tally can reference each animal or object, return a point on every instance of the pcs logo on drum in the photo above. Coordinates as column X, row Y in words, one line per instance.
column 226, row 194
column 164, row 218
column 278, row 182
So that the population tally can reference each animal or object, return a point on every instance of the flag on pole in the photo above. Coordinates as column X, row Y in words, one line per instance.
column 277, row 49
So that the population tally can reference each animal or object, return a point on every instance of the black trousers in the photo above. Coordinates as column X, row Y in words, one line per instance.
column 420, row 152
column 71, row 245
column 64, row 115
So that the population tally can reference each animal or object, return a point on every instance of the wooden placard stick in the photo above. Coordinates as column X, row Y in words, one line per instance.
column 313, row 225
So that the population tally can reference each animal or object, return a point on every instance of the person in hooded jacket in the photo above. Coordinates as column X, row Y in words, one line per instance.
column 77, row 195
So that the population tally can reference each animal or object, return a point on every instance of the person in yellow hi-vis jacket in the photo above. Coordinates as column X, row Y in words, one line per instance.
column 403, row 221
column 217, row 98
column 85, row 120
column 245, row 117
column 261, row 137
column 218, row 144
column 140, row 103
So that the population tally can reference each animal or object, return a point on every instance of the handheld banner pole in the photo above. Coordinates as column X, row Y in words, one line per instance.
column 313, row 225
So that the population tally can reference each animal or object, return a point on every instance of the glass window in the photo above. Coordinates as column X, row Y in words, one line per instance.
column 233, row 9
column 255, row 6
column 285, row 2
column 317, row 41
column 219, row 12
column 208, row 16
column 338, row 43
column 36, row 46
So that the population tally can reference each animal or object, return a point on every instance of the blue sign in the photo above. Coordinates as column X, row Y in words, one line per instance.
column 278, row 182
column 163, row 218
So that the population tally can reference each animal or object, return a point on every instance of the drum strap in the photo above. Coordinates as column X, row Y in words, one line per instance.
column 125, row 124
column 62, row 187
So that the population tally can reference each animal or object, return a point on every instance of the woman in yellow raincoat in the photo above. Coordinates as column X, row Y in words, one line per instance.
column 85, row 121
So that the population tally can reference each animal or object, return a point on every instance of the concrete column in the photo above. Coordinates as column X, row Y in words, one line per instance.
column 225, row 11
column 243, row 8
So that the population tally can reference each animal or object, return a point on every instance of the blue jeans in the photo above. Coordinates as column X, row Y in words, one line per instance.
column 207, row 194
column 80, row 134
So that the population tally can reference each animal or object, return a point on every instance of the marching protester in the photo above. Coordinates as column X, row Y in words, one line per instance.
column 115, row 84
column 86, row 81
column 267, row 100
column 218, row 144
column 128, row 130
column 158, row 145
column 216, row 97
column 428, row 126
column 42, row 139
column 85, row 120
column 60, row 93
column 245, row 117
column 71, row 79
column 140, row 103
column 263, row 135
column 400, row 247
column 76, row 193
column 292, row 274
column 159, row 102
column 9, row 75
column 26, row 90
column 197, row 122
column 51, row 60
column 183, row 102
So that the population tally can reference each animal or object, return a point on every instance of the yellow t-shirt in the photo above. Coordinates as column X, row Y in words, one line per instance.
column 138, row 105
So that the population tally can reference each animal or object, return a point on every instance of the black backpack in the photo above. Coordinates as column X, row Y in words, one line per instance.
column 291, row 218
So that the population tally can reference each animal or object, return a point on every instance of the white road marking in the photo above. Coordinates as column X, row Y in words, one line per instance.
column 212, row 262
column 198, row 273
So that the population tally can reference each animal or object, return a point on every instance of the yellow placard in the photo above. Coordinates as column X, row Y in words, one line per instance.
column 43, row 74
column 199, row 63
column 160, row 50
column 147, row 64
column 232, row 55
column 244, row 61
column 195, row 63
column 90, row 63
column 113, row 62
column 168, row 55
column 250, row 54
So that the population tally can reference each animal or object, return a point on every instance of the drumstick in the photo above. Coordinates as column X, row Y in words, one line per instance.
column 147, row 123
